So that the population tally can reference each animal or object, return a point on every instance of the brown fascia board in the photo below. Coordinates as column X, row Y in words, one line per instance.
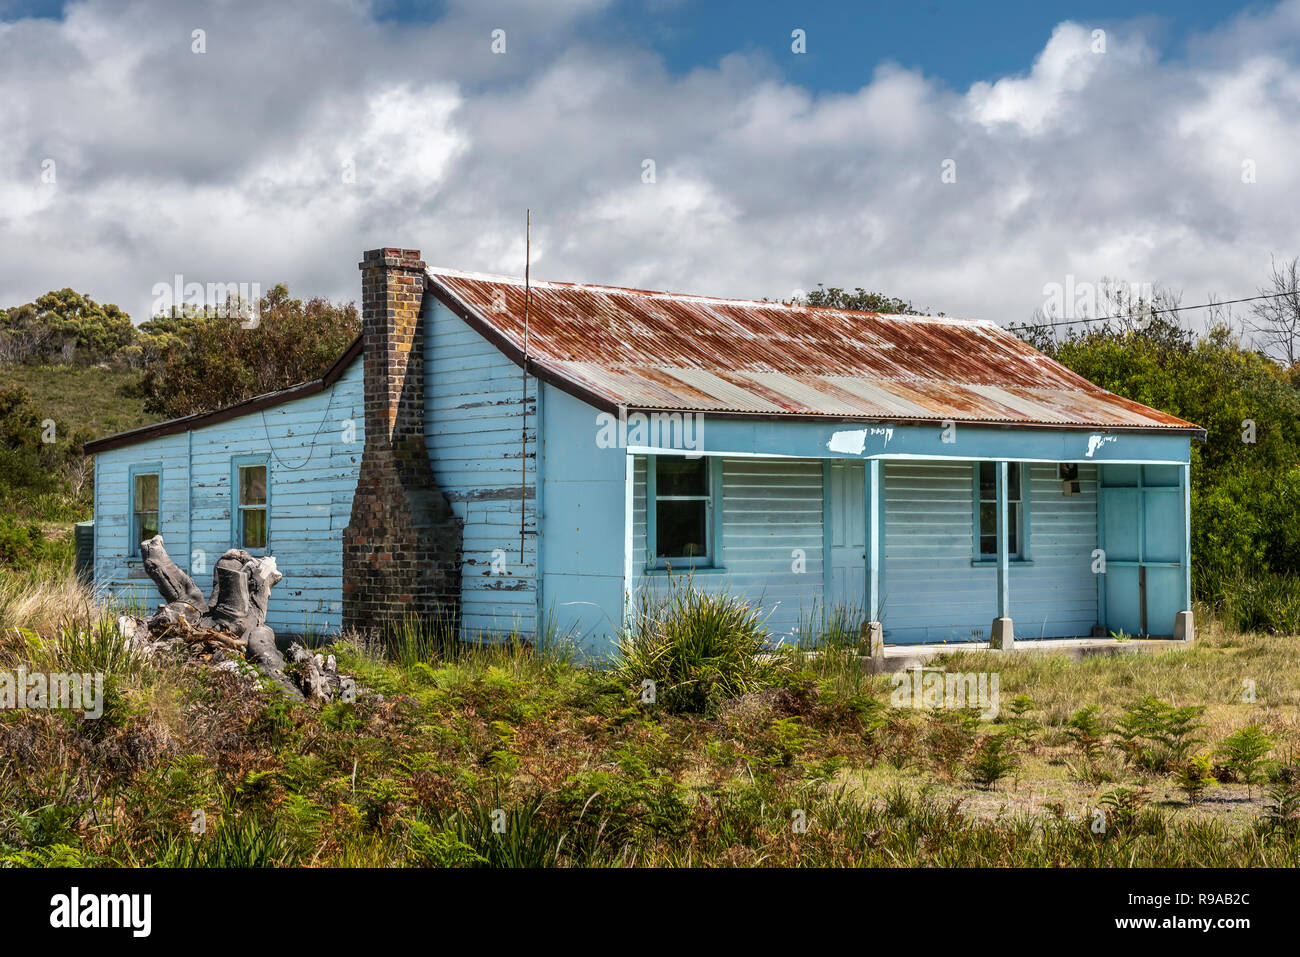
column 255, row 404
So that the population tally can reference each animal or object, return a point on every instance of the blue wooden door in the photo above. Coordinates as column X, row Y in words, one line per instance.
column 847, row 530
column 1141, row 530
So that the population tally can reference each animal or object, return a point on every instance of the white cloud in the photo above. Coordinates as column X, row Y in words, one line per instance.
column 228, row 166
column 1063, row 67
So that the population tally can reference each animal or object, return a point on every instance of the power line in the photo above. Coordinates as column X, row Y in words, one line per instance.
column 1153, row 312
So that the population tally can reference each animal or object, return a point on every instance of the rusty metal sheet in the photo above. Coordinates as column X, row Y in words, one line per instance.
column 657, row 350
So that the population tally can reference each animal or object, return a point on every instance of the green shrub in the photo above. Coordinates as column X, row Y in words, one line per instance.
column 426, row 847
column 1194, row 775
column 1085, row 729
column 1023, row 728
column 1282, row 812
column 1156, row 736
column 698, row 648
column 992, row 761
column 1123, row 805
column 1245, row 750
column 23, row 545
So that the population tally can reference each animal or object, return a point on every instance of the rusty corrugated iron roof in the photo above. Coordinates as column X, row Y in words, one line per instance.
column 667, row 351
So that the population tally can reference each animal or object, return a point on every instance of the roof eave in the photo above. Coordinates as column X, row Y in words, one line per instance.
column 1195, row 431
column 601, row 401
column 255, row 404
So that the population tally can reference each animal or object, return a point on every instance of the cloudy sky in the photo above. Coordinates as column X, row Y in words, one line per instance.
column 939, row 152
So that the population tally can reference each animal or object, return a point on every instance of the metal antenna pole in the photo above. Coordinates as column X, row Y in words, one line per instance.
column 523, row 432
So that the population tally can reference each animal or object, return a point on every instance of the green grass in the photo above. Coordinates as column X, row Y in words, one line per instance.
column 81, row 398
column 690, row 650
column 503, row 755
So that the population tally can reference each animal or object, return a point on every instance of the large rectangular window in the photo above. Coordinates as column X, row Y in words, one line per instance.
column 144, row 506
column 252, row 508
column 986, row 511
column 683, row 495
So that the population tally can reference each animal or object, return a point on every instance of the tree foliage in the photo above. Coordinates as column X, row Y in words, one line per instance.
column 859, row 299
column 1246, row 474
column 196, row 362
column 64, row 326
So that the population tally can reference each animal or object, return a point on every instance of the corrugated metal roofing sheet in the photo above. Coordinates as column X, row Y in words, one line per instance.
column 666, row 351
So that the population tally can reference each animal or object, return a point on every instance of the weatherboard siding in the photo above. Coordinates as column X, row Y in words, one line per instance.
column 771, row 528
column 933, row 593
column 313, row 449
column 474, row 408
column 931, row 590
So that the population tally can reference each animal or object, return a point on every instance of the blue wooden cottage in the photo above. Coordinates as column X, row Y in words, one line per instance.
column 541, row 457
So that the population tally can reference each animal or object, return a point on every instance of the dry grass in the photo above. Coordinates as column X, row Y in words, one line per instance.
column 44, row 603
column 1222, row 671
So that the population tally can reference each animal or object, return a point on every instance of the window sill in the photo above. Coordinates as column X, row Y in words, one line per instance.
column 993, row 564
column 686, row 571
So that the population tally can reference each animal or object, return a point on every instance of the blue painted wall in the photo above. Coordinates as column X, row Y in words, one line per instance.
column 1143, row 531
column 586, row 525
column 475, row 430
column 312, row 474
column 932, row 591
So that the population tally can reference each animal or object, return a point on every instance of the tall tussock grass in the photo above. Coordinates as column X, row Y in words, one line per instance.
column 699, row 648
column 439, row 640
column 1261, row 602
column 45, row 603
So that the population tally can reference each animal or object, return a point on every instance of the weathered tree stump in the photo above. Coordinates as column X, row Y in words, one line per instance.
column 173, row 584
column 232, row 619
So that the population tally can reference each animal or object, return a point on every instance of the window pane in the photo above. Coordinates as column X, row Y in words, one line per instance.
column 1013, row 482
column 254, row 531
column 252, row 485
column 680, row 530
column 988, row 479
column 147, row 525
column 678, row 476
column 146, row 492
column 988, row 529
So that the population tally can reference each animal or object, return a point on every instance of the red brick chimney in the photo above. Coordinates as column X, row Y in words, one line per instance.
column 402, row 548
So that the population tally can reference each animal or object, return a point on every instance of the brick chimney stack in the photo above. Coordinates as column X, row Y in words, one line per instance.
column 402, row 547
